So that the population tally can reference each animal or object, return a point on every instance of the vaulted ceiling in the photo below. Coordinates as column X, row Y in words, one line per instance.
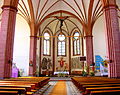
column 46, row 13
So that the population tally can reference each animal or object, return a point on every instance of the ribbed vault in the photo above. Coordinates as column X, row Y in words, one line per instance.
column 86, row 12
column 37, row 11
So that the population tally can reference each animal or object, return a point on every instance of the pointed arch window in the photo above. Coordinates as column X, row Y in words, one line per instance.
column 76, row 43
column 46, row 43
column 61, row 45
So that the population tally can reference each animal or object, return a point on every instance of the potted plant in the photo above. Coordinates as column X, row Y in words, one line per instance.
column 84, row 73
column 92, row 73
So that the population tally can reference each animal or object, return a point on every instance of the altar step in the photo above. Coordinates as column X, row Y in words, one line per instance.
column 60, row 79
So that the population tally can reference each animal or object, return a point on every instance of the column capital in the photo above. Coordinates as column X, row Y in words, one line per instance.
column 110, row 6
column 33, row 36
column 9, row 7
column 88, row 36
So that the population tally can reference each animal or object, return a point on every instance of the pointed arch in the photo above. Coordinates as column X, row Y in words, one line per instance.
column 46, row 35
column 76, row 40
column 61, row 44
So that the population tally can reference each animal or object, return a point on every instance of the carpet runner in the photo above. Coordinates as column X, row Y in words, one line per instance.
column 59, row 89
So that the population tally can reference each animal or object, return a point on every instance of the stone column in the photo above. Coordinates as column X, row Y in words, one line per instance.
column 7, row 39
column 112, row 38
column 33, row 46
column 69, row 55
column 53, row 55
column 40, row 63
column 89, row 50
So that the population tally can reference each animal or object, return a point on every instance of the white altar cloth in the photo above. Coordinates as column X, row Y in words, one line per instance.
column 55, row 73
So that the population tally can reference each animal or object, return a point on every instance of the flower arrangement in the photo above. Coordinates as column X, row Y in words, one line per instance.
column 105, row 63
column 61, row 75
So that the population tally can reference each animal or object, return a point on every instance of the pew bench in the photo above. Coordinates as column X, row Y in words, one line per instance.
column 8, row 92
column 93, row 86
column 24, row 85
column 105, row 92
column 88, row 90
column 21, row 82
column 97, row 85
column 27, row 87
column 20, row 90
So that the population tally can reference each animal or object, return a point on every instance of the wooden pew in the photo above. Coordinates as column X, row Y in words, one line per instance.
column 41, row 81
column 104, row 85
column 88, row 90
column 8, row 92
column 36, row 84
column 14, row 93
column 27, row 87
column 22, row 84
column 20, row 90
column 29, row 84
column 97, row 85
column 18, row 87
column 106, row 92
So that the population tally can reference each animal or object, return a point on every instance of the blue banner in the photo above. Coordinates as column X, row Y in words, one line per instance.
column 98, row 61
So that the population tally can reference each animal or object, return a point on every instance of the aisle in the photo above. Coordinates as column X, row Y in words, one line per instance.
column 68, row 89
column 59, row 89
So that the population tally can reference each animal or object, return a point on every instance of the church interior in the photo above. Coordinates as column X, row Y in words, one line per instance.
column 59, row 47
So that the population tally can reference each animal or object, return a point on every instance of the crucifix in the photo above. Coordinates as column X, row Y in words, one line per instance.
column 61, row 62
column 61, row 19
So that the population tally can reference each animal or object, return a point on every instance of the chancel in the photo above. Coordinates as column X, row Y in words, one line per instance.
column 45, row 41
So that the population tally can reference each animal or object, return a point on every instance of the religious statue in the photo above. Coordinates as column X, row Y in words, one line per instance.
column 66, row 66
column 49, row 64
column 44, row 63
column 14, row 71
column 61, row 62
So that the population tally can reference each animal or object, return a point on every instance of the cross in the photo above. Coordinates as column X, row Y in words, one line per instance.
column 61, row 19
column 61, row 62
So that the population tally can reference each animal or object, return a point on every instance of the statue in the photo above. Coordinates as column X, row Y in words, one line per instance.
column 61, row 62
column 44, row 63
column 49, row 63
column 14, row 70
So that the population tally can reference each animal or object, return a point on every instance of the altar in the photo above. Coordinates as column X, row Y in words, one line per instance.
column 56, row 73
column 61, row 74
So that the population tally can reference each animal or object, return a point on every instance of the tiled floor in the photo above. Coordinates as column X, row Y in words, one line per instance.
column 72, row 89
